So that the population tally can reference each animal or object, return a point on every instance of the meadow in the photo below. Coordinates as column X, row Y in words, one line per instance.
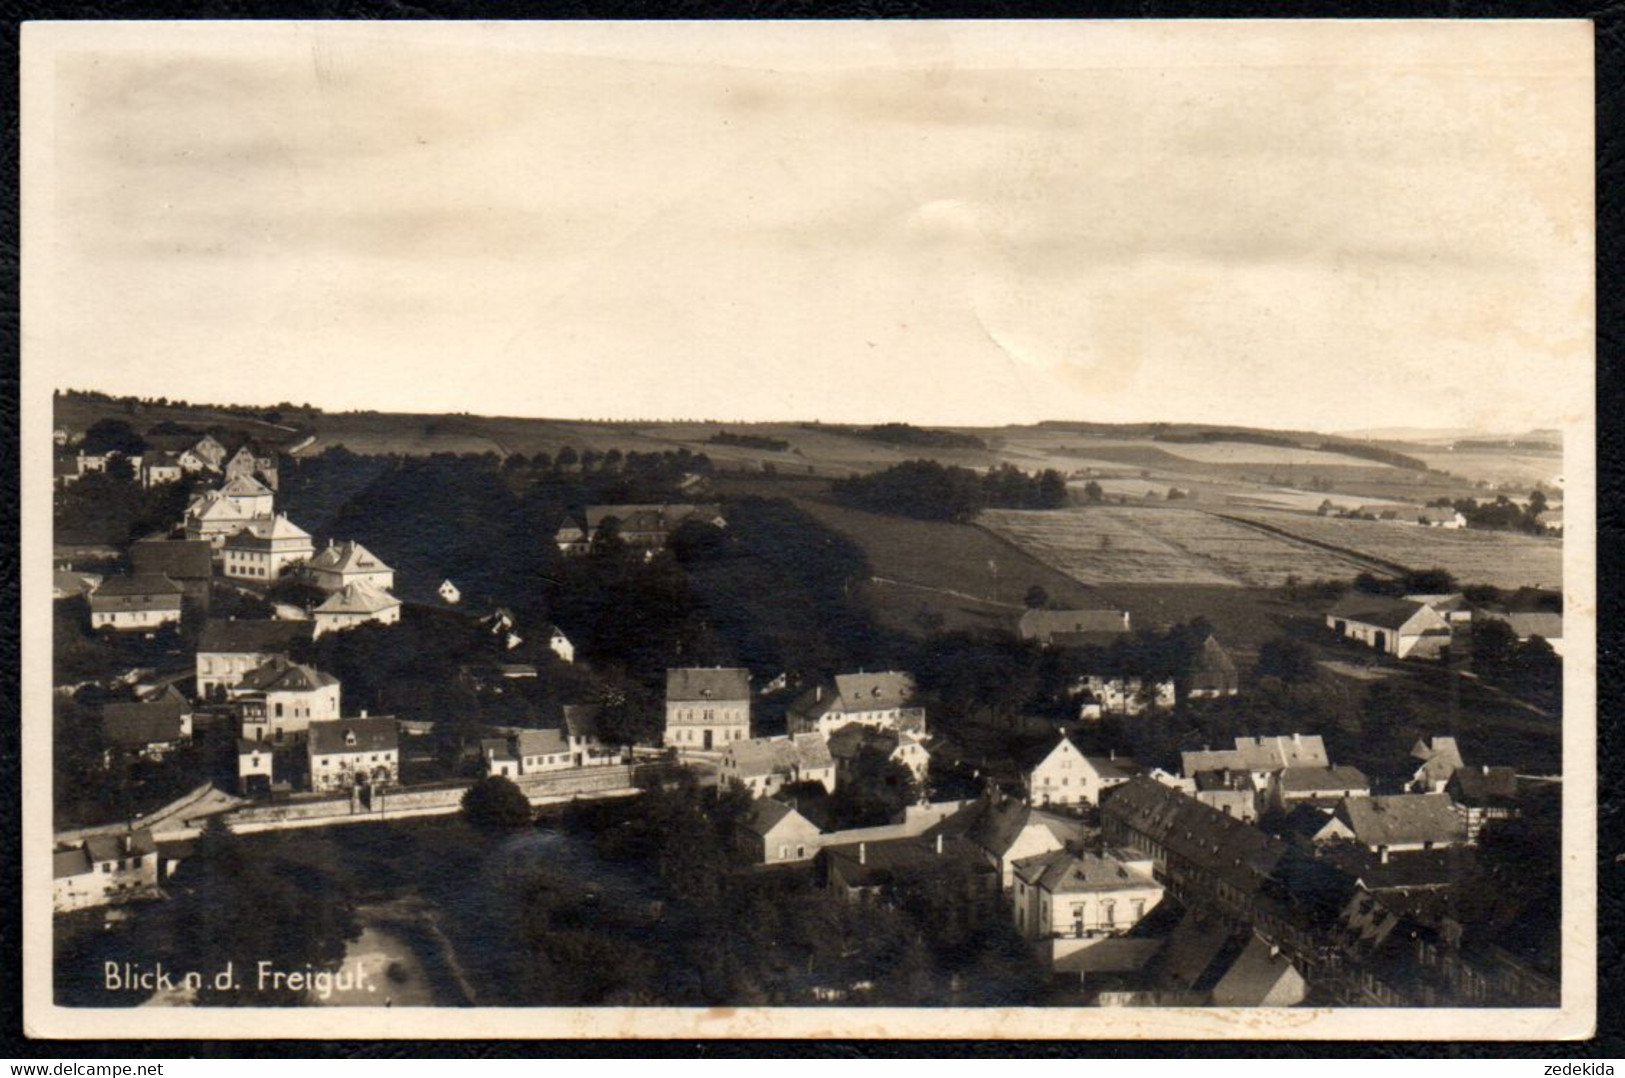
column 1502, row 559
column 1106, row 544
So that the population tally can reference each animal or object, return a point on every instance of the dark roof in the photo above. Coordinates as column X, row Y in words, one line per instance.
column 850, row 740
column 1235, row 852
column 1064, row 872
column 1483, row 787
column 138, row 584
column 1323, row 779
column 540, row 742
column 1400, row 819
column 1257, row 972
column 1215, row 670
column 179, row 559
column 1403, row 871
column 883, row 861
column 280, row 675
column 581, row 720
column 113, row 847
column 708, row 683
column 371, row 735
column 766, row 813
column 241, row 636
column 995, row 825
column 1378, row 610
column 142, row 723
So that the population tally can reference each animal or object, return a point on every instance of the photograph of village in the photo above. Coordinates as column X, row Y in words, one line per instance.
column 1161, row 686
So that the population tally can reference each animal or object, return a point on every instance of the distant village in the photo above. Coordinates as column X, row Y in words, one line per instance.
column 1254, row 871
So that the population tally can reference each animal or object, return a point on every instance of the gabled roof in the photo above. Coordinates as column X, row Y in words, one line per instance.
column 1259, row 754
column 1401, row 819
column 112, row 847
column 371, row 735
column 1063, row 872
column 1236, row 852
column 545, row 742
column 1483, row 787
column 884, row 861
column 498, row 749
column 1387, row 613
column 707, row 683
column 226, row 636
column 874, row 692
column 142, row 723
column 262, row 530
column 1323, row 779
column 347, row 557
column 359, row 597
column 1526, row 624
column 1041, row 625
column 1443, row 603
column 138, row 584
column 765, row 814
column 245, row 486
column 1255, row 976
column 280, row 675
column 581, row 720
column 1440, row 757
column 1215, row 669
column 995, row 826
column 179, row 559
column 69, row 582
column 214, row 505
column 779, row 755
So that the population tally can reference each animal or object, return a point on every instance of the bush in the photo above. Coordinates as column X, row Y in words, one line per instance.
column 495, row 804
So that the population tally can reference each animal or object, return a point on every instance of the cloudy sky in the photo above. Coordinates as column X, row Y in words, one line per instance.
column 1331, row 225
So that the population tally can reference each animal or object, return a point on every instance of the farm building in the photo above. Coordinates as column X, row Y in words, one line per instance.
column 1068, row 627
column 1526, row 625
column 1215, row 673
column 1392, row 626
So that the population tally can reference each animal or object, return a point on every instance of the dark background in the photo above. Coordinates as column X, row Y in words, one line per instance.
column 1609, row 1041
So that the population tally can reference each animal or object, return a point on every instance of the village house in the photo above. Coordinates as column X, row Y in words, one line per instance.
column 951, row 870
column 140, row 601
column 1392, row 626
column 349, row 753
column 1080, row 897
column 1104, row 695
column 641, row 527
column 281, row 699
column 529, row 752
column 560, row 644
column 1063, row 775
column 849, row 742
column 765, row 765
column 68, row 584
column 229, row 649
column 1550, row 521
column 105, row 869
column 339, row 564
column 158, row 469
column 1262, row 759
column 1439, row 758
column 255, row 768
column 1068, row 628
column 1452, row 606
column 1396, row 823
column 881, row 699
column 1008, row 829
column 251, row 497
column 449, row 593
column 1481, row 794
column 707, row 707
column 1229, row 791
column 772, row 833
column 253, row 462
column 213, row 518
column 1321, row 786
column 208, row 450
column 264, row 548
column 1214, row 674
column 581, row 730
column 147, row 729
column 1436, row 516
column 189, row 564
column 1262, row 976
column 355, row 604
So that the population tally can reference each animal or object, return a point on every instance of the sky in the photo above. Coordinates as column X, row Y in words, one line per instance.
column 1334, row 225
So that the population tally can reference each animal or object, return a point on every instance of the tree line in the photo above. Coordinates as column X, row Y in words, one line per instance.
column 926, row 490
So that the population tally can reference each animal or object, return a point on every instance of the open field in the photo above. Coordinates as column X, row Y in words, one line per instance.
column 1503, row 559
column 1518, row 467
column 1105, row 545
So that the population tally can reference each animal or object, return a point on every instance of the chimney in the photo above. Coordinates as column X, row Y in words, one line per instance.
column 863, row 853
column 939, row 843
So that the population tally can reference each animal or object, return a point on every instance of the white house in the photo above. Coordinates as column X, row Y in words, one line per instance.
column 228, row 649
column 264, row 547
column 560, row 644
column 353, row 753
column 587, row 749
column 105, row 869
column 1393, row 626
column 1081, row 897
column 1065, row 776
column 339, row 564
column 138, row 601
column 883, row 699
column 280, row 700
column 530, row 752
column 158, row 469
column 765, row 765
column 355, row 604
column 707, row 707
column 849, row 742
column 448, row 592
column 255, row 766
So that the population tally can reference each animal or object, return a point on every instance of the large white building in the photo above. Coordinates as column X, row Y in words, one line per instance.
column 354, row 752
column 340, row 564
column 104, row 869
column 138, row 601
column 883, row 699
column 356, row 604
column 707, row 707
column 280, row 700
column 265, row 547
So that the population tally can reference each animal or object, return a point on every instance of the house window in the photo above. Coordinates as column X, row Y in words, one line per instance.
column 279, row 711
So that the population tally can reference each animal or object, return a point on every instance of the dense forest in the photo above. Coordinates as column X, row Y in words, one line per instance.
column 927, row 490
